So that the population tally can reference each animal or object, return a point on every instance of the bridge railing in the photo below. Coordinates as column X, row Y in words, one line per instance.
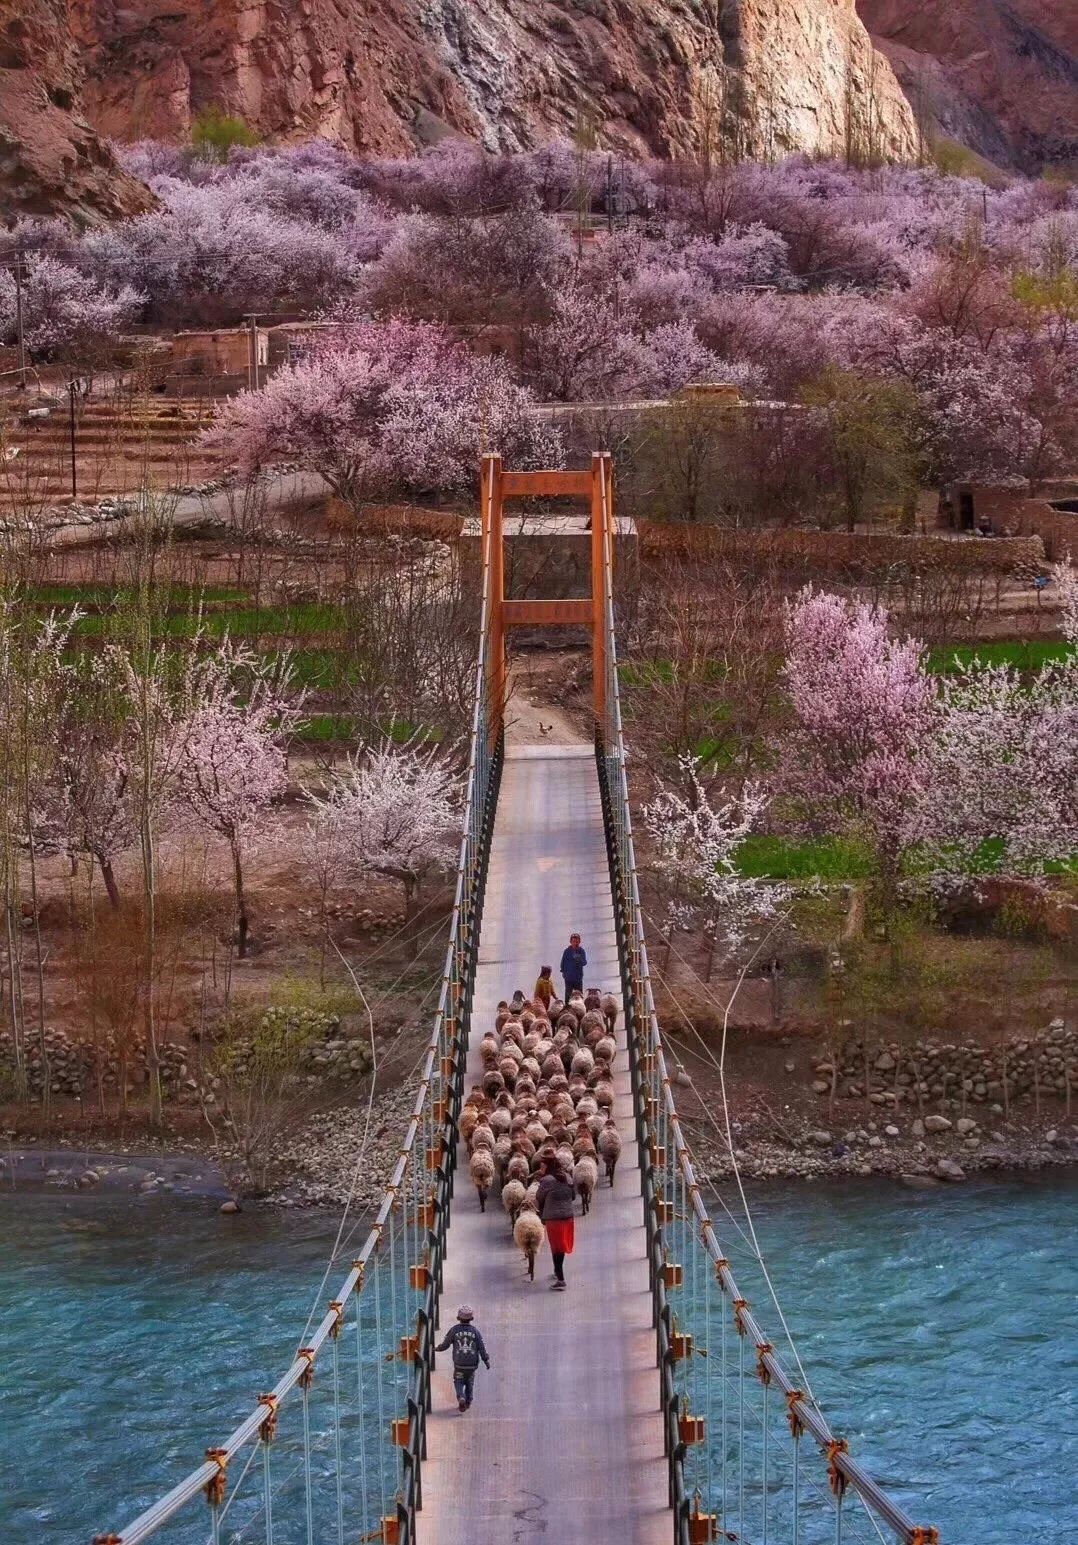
column 339, row 1458
column 725, row 1389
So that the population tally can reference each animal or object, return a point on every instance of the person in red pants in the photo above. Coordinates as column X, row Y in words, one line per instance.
column 556, row 1196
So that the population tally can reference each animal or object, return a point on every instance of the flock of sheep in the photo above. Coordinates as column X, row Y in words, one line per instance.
column 546, row 1091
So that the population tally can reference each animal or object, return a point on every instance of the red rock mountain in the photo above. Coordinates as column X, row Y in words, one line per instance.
column 383, row 75
column 998, row 75
column 658, row 75
column 51, row 161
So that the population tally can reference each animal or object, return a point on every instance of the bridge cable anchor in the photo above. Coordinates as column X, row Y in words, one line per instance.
column 835, row 1475
column 217, row 1484
column 268, row 1429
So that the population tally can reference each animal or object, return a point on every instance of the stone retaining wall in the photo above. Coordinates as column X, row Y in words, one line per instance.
column 949, row 1076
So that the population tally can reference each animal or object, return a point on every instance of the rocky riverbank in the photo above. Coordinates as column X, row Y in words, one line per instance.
column 50, row 1169
column 322, row 1164
column 318, row 1165
column 935, row 1151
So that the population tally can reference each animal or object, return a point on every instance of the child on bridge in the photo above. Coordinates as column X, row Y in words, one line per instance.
column 468, row 1348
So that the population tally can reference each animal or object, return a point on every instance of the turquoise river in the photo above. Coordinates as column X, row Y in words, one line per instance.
column 939, row 1331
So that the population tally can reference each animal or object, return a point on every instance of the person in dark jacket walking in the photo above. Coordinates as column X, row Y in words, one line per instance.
column 555, row 1199
column 468, row 1348
column 573, row 961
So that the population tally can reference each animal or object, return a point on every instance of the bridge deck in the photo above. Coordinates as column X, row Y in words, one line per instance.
column 564, row 1442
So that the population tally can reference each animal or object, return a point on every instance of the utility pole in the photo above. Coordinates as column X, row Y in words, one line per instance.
column 252, row 351
column 610, row 195
column 20, row 275
column 71, row 390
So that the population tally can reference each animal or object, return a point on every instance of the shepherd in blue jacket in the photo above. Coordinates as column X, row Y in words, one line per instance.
column 468, row 1348
column 573, row 961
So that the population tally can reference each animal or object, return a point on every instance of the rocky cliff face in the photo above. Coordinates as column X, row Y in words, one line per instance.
column 385, row 75
column 660, row 76
column 998, row 75
column 51, row 161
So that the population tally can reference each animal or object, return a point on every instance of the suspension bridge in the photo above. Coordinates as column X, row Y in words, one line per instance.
column 647, row 1403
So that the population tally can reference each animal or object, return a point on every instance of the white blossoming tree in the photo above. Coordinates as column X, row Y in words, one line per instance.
column 232, row 758
column 696, row 845
column 394, row 812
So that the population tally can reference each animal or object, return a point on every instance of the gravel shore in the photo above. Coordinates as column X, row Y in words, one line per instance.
column 318, row 1165
column 944, row 1156
column 321, row 1162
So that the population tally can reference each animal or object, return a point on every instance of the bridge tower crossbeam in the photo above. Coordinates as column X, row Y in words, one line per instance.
column 595, row 484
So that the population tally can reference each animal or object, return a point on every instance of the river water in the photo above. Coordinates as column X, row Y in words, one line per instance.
column 939, row 1331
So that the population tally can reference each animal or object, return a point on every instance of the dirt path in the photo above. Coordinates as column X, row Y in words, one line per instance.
column 532, row 717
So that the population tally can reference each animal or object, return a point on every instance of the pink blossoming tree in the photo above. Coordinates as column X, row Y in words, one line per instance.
column 64, row 311
column 232, row 761
column 384, row 409
column 1001, row 770
column 861, row 709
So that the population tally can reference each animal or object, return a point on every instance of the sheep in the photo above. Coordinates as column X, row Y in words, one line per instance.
column 587, row 1105
column 576, row 1004
column 551, row 1067
column 604, row 1095
column 553, row 1009
column 503, row 1147
column 583, row 1062
column 536, row 1131
column 518, row 1167
column 585, row 1178
column 469, row 1120
column 517, row 1001
column 483, row 1137
column 507, row 1067
column 592, row 1020
column 493, row 1083
column 513, row 1193
column 481, row 1170
column 531, row 1043
column 513, row 1031
column 592, row 998
column 531, row 1195
column 596, row 1124
column 605, row 1049
column 500, row 1121
column 528, row 1235
column 564, row 1156
column 610, row 1148
column 609, row 1008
